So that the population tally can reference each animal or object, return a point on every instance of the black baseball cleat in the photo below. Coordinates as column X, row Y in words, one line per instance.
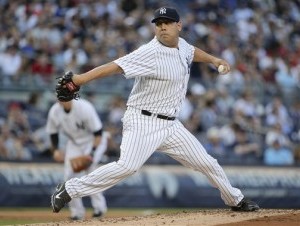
column 59, row 198
column 245, row 205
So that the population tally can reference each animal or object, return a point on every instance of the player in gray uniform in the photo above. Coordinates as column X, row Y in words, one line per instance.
column 161, row 70
column 80, row 123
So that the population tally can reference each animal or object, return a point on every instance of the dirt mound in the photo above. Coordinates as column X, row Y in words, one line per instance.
column 202, row 218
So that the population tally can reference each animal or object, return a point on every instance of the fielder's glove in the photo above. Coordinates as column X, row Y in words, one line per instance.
column 81, row 163
column 66, row 89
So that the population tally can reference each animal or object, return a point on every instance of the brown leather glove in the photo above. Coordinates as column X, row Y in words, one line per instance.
column 81, row 163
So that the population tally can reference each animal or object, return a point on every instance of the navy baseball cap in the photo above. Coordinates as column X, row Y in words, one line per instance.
column 166, row 13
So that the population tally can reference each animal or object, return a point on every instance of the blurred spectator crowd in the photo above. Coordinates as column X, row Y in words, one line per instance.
column 249, row 116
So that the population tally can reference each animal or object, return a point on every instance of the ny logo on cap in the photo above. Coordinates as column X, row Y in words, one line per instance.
column 162, row 11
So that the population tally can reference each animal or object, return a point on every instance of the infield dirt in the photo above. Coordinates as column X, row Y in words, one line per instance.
column 221, row 217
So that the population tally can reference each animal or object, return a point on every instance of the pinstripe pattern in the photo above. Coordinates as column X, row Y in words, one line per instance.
column 166, row 136
column 161, row 76
column 186, row 149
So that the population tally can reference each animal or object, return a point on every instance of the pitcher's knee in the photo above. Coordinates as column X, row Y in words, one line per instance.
column 126, row 169
column 208, row 165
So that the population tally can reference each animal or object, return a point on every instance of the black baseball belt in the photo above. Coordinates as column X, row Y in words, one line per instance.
column 148, row 113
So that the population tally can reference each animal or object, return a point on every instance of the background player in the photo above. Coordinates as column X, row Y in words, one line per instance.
column 79, row 121
column 161, row 69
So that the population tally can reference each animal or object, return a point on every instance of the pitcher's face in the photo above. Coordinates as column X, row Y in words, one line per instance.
column 167, row 32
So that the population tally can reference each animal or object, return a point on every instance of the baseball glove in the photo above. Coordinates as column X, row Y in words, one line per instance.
column 66, row 89
column 81, row 163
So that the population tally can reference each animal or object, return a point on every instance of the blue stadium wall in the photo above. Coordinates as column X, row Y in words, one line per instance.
column 30, row 185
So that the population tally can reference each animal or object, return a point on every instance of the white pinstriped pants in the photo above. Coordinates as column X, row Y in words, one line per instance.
column 142, row 135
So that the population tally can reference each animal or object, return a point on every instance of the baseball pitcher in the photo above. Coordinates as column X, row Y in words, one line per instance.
column 161, row 69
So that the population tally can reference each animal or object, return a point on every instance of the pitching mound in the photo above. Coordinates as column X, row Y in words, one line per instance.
column 202, row 218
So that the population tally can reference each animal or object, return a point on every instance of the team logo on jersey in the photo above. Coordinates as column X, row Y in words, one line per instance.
column 162, row 11
column 80, row 125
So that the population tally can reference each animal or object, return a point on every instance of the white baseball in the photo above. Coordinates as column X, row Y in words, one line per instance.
column 221, row 68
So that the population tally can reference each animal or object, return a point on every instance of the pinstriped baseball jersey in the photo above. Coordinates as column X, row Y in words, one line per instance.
column 161, row 76
column 161, row 73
